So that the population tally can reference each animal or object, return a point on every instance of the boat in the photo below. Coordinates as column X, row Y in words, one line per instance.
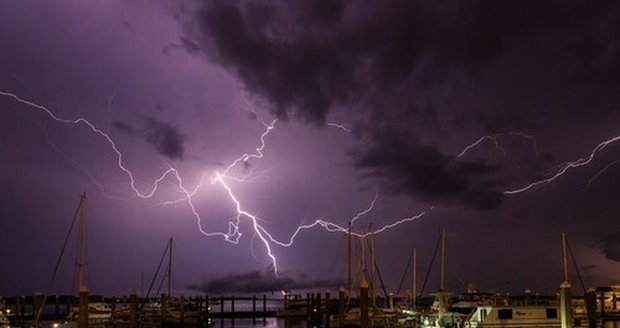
column 488, row 316
column 99, row 314
column 4, row 321
column 294, row 305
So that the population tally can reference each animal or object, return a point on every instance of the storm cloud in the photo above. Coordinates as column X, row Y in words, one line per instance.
column 163, row 136
column 261, row 281
column 410, row 67
column 610, row 245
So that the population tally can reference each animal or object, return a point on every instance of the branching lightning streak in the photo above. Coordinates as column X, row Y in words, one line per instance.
column 333, row 227
column 105, row 136
column 599, row 173
column 233, row 235
column 493, row 138
column 566, row 167
column 478, row 142
column 340, row 126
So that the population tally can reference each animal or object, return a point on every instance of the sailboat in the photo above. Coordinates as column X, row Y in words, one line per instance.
column 86, row 314
column 530, row 315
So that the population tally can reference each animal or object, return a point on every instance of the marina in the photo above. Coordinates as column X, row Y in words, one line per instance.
column 309, row 164
column 359, row 306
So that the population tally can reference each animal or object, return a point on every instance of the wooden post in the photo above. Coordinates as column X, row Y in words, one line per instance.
column 232, row 306
column 83, row 316
column 341, row 306
column 319, row 313
column 182, row 310
column 222, row 305
column 206, row 314
column 254, row 309
column 113, row 306
column 602, row 303
column 590, row 299
column 163, row 299
column 364, row 304
column 57, row 307
column 18, row 307
column 308, row 306
column 23, row 310
column 327, row 308
column 133, row 309
column 68, row 304
column 264, row 309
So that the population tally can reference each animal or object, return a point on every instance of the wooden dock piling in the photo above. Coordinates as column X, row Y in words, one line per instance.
column 364, row 304
column 264, row 310
column 133, row 309
column 254, row 309
column 327, row 308
column 341, row 306
column 83, row 308
column 182, row 310
column 57, row 307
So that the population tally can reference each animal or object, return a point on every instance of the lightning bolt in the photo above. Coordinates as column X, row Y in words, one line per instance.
column 599, row 173
column 494, row 139
column 567, row 166
column 233, row 234
column 340, row 126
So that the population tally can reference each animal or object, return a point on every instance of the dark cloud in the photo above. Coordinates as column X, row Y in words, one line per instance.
column 260, row 281
column 406, row 71
column 610, row 245
column 588, row 267
column 166, row 138
column 124, row 128
column 422, row 171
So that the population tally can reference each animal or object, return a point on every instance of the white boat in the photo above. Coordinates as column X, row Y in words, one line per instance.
column 533, row 316
column 98, row 314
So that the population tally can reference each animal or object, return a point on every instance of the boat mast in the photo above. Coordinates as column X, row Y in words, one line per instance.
column 414, row 291
column 564, row 260
column 566, row 309
column 362, row 255
column 443, row 259
column 83, row 290
column 441, row 295
column 169, row 267
column 373, row 266
column 82, row 251
column 349, row 260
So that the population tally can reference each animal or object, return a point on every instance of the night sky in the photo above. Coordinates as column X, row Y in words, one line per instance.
column 369, row 98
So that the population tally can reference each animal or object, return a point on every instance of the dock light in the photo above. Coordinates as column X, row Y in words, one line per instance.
column 8, row 311
column 56, row 325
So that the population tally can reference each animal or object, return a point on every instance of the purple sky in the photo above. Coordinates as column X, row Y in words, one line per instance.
column 191, row 85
